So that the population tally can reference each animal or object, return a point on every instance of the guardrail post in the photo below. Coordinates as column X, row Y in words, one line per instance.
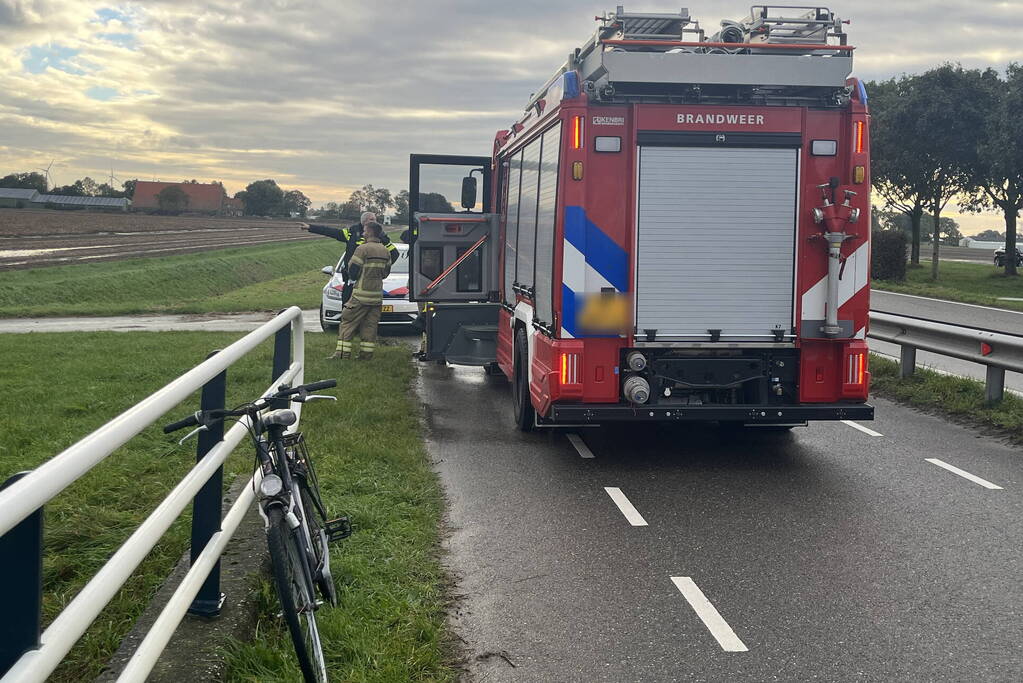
column 907, row 361
column 207, row 504
column 995, row 385
column 282, row 360
column 22, row 551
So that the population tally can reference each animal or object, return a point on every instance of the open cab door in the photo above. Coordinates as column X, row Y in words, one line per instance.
column 454, row 248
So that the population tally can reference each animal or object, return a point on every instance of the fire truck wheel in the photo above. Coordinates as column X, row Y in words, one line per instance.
column 524, row 415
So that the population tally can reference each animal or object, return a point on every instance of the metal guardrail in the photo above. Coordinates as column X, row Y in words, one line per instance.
column 28, row 656
column 999, row 352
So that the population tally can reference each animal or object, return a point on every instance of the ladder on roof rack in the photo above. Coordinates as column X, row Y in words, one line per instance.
column 647, row 26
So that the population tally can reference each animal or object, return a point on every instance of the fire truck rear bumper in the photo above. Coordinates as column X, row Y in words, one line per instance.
column 581, row 414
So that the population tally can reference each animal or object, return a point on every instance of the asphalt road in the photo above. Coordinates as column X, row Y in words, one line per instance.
column 1000, row 320
column 51, row 250
column 826, row 554
column 959, row 254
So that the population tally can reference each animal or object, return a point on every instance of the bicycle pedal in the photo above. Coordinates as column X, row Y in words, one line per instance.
column 337, row 529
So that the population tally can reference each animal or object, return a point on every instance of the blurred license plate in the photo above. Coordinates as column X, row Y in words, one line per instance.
column 387, row 309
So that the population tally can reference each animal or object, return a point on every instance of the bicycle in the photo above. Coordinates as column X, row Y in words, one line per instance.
column 298, row 530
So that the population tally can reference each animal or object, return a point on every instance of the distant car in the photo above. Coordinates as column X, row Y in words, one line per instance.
column 1000, row 257
column 397, row 308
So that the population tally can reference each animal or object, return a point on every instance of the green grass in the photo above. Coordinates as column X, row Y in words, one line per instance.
column 242, row 279
column 372, row 464
column 373, row 467
column 972, row 283
column 962, row 399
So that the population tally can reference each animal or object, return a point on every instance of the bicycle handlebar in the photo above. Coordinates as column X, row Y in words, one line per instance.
column 312, row 386
column 203, row 417
column 189, row 421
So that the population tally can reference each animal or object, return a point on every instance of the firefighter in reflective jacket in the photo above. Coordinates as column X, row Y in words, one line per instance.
column 352, row 237
column 369, row 265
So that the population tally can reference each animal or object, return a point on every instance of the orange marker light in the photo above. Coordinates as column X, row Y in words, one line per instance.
column 858, row 134
column 564, row 368
column 577, row 132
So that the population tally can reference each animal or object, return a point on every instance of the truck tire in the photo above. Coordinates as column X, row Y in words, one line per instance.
column 524, row 413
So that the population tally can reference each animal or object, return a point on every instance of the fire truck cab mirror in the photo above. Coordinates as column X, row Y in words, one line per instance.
column 468, row 192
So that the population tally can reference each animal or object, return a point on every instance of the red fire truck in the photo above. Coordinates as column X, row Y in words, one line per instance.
column 677, row 228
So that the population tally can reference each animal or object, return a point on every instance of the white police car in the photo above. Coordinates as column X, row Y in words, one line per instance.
column 397, row 308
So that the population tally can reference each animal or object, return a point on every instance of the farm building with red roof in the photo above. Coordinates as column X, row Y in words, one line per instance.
column 202, row 197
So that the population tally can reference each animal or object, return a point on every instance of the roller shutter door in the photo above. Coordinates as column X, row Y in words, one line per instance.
column 716, row 242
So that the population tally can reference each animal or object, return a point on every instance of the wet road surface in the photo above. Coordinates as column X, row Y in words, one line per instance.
column 685, row 553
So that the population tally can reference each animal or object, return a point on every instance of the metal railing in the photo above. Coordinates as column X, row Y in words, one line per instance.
column 25, row 654
column 998, row 352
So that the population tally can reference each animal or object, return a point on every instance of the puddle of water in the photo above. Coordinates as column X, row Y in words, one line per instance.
column 21, row 253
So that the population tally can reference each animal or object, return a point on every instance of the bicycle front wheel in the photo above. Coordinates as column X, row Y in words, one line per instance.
column 297, row 596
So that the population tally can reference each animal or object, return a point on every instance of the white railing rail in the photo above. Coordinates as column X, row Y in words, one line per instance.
column 27, row 656
column 997, row 351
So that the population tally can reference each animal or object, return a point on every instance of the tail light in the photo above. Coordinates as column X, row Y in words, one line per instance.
column 855, row 377
column 858, row 136
column 577, row 132
column 569, row 368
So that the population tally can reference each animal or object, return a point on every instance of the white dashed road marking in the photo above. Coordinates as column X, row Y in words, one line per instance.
column 964, row 474
column 712, row 619
column 860, row 427
column 580, row 445
column 630, row 512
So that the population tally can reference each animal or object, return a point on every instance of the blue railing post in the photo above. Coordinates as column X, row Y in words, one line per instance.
column 22, row 551
column 282, row 360
column 207, row 504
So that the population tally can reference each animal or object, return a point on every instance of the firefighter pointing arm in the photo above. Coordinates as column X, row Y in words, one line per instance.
column 352, row 237
column 369, row 265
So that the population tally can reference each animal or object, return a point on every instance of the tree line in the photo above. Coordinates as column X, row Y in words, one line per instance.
column 379, row 200
column 83, row 187
column 948, row 133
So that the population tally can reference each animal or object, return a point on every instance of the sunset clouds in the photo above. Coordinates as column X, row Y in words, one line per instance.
column 325, row 95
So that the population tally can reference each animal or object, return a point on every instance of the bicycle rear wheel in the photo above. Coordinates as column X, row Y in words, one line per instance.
column 297, row 596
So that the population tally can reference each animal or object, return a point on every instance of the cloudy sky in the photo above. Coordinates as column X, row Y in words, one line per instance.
column 325, row 95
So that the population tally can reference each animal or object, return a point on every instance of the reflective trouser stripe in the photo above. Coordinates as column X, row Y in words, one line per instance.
column 344, row 345
column 368, row 346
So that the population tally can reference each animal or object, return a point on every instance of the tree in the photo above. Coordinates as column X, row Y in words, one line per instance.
column 369, row 198
column 172, row 199
column 129, row 188
column 941, row 113
column 105, row 190
column 997, row 175
column 350, row 211
column 434, row 202
column 401, row 206
column 989, row 236
column 896, row 171
column 263, row 198
column 25, row 181
column 329, row 210
column 296, row 203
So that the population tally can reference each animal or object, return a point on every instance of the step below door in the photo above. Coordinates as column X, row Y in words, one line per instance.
column 716, row 243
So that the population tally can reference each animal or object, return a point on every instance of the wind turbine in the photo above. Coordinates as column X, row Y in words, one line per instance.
column 49, row 178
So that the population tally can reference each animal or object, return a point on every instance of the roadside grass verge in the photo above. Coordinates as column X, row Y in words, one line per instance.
column 370, row 458
column 183, row 283
column 972, row 283
column 60, row 387
column 960, row 398
column 373, row 467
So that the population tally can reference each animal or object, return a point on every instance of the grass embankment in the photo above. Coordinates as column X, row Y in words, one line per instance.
column 962, row 399
column 372, row 465
column 971, row 283
column 257, row 278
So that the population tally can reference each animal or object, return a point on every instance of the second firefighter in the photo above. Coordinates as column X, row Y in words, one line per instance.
column 369, row 265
